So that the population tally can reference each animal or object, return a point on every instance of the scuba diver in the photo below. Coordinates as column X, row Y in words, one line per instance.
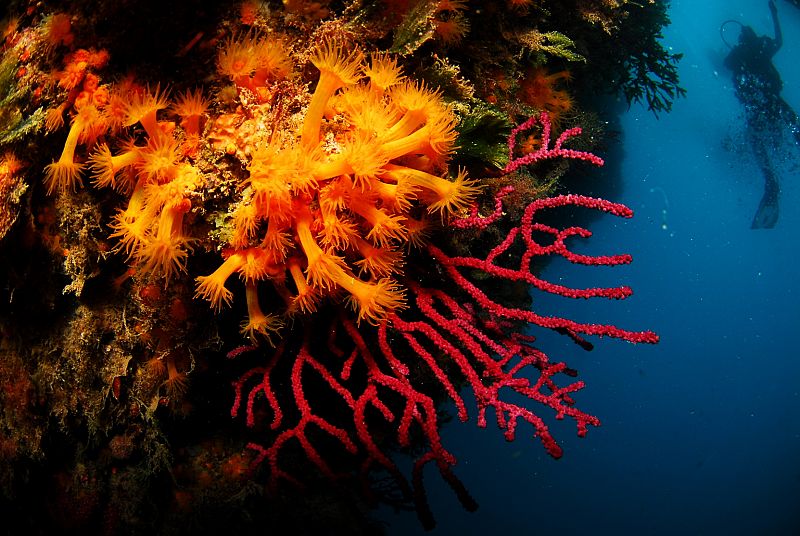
column 757, row 85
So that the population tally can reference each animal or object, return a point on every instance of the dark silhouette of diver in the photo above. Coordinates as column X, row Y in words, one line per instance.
column 758, row 86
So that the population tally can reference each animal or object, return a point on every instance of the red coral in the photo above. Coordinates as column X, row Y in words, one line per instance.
column 387, row 383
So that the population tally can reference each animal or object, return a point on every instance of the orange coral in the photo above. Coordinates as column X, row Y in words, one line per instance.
column 150, row 228
column 164, row 251
column 333, row 197
column 58, row 29
column 383, row 73
column 251, row 60
column 451, row 31
column 142, row 107
column 177, row 383
column 337, row 69
column 341, row 195
column 540, row 89
column 248, row 12
column 191, row 106
column 65, row 173
column 257, row 322
column 106, row 167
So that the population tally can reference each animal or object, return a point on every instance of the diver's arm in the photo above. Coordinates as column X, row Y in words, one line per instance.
column 777, row 25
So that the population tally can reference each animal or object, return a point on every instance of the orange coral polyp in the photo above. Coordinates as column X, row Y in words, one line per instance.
column 335, row 194
column 54, row 117
column 331, row 59
column 105, row 166
column 396, row 197
column 415, row 143
column 306, row 298
column 447, row 197
column 256, row 265
column 337, row 232
column 361, row 158
column 373, row 301
column 367, row 111
column 417, row 103
column 276, row 241
column 383, row 73
column 168, row 194
column 365, row 159
column 131, row 224
column 236, row 59
column 191, row 106
column 143, row 108
column 434, row 138
column 327, row 85
column 324, row 269
column 385, row 228
column 245, row 222
column 114, row 112
column 165, row 254
column 337, row 70
column 413, row 95
column 212, row 287
column 177, row 383
column 65, row 173
column 250, row 60
column 539, row 89
column 159, row 159
column 376, row 261
column 62, row 176
column 271, row 196
column 170, row 221
column 452, row 30
column 408, row 123
column 418, row 231
column 272, row 60
column 58, row 29
column 131, row 233
column 257, row 322
column 163, row 257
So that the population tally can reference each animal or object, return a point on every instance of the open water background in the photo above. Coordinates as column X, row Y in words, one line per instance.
column 701, row 433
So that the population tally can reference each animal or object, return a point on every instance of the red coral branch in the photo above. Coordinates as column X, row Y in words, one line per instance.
column 544, row 152
column 476, row 221
column 525, row 273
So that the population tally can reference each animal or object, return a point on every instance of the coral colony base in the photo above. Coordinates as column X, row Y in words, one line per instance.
column 379, row 279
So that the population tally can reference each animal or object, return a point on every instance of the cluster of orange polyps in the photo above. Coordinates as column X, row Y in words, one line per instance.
column 154, row 170
column 328, row 209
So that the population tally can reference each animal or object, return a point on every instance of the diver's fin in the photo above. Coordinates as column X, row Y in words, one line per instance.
column 767, row 214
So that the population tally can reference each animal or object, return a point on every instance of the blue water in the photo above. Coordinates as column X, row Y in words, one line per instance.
column 701, row 433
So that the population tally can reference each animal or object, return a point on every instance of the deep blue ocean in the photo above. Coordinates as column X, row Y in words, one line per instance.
column 701, row 433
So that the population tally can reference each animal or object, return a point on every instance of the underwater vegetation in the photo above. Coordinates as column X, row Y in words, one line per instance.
column 251, row 251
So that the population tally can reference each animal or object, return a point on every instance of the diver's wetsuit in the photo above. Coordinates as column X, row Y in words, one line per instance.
column 758, row 87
